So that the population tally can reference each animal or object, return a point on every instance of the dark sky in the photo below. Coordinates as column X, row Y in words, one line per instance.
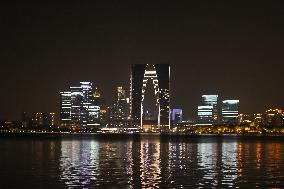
column 234, row 49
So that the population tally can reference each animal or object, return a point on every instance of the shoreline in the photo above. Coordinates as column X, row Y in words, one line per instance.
column 62, row 134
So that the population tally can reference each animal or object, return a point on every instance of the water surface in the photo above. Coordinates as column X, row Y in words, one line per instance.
column 92, row 161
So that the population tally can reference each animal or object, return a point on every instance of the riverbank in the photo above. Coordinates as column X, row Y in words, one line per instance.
column 123, row 135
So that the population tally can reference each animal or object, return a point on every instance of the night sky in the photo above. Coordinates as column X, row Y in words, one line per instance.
column 235, row 50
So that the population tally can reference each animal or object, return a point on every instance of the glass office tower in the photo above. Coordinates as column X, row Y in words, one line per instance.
column 208, row 110
column 78, row 106
column 65, row 108
column 230, row 112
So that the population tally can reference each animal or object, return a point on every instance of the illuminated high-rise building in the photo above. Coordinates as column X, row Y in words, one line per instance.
column 208, row 110
column 78, row 106
column 65, row 108
column 176, row 115
column 118, row 111
column 205, row 115
column 121, row 105
column 160, row 76
column 99, row 101
column 230, row 112
column 89, row 110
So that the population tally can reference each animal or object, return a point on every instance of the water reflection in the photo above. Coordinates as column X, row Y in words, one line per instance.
column 79, row 161
column 229, row 164
column 148, row 162
column 207, row 163
column 142, row 162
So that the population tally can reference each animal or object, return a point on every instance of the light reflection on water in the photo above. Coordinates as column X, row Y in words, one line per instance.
column 142, row 162
column 150, row 164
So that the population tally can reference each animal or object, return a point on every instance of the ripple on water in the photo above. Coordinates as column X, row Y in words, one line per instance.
column 145, row 163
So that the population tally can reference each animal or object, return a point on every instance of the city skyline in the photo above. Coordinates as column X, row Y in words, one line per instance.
column 109, row 102
column 45, row 48
column 142, row 94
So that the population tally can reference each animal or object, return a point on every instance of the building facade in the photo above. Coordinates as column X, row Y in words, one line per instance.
column 121, row 105
column 65, row 107
column 78, row 107
column 176, row 115
column 230, row 112
column 208, row 111
column 273, row 118
column 160, row 76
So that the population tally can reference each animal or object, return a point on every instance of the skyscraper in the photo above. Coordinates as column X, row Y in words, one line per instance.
column 208, row 110
column 230, row 112
column 121, row 104
column 89, row 110
column 119, row 110
column 78, row 106
column 65, row 108
column 160, row 76
column 205, row 115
